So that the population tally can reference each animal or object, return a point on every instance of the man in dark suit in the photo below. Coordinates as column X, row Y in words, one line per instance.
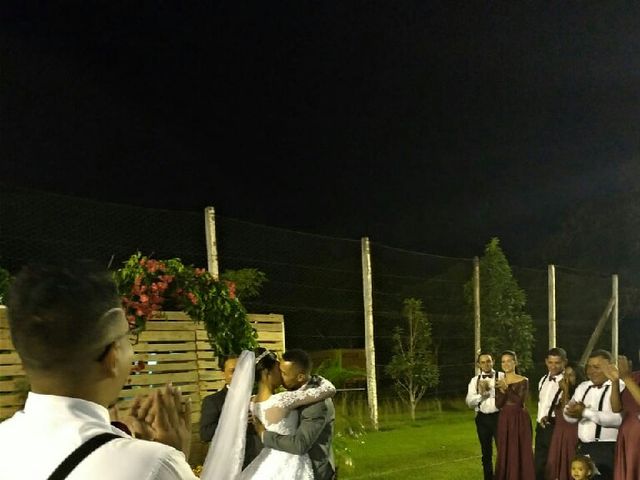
column 315, row 431
column 212, row 409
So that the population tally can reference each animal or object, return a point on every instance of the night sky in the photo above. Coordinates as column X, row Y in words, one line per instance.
column 425, row 125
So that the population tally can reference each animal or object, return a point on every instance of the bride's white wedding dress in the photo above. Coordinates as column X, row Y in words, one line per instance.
column 278, row 414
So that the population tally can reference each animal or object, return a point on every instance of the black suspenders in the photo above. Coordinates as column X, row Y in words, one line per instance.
column 600, row 405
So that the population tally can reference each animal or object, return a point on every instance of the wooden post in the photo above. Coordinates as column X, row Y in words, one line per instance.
column 614, row 318
column 552, row 306
column 597, row 331
column 212, row 246
column 370, row 348
column 476, row 313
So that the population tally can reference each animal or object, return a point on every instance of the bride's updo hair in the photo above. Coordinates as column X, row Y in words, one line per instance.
column 265, row 361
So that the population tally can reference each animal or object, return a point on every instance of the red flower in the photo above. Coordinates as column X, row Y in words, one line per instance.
column 232, row 289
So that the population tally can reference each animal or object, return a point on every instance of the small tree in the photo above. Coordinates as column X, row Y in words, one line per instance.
column 413, row 366
column 505, row 324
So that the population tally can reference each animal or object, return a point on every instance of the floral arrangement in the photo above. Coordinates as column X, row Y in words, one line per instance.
column 149, row 286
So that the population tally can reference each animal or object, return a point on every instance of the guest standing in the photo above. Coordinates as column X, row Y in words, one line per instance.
column 515, row 455
column 481, row 397
column 590, row 407
column 627, row 455
column 548, row 392
column 565, row 435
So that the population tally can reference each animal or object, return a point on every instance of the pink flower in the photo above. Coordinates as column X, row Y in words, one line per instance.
column 144, row 299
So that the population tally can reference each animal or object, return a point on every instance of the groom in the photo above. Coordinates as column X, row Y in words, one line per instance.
column 315, row 431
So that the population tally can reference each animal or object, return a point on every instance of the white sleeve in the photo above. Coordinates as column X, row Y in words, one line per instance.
column 473, row 397
column 174, row 467
column 306, row 395
column 575, row 399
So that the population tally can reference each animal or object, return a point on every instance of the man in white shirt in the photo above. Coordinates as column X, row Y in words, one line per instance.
column 591, row 407
column 74, row 342
column 548, row 396
column 481, row 397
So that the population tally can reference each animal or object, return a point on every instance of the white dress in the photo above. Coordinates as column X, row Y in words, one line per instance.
column 278, row 414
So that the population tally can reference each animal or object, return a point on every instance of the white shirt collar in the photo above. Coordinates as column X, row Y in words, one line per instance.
column 38, row 404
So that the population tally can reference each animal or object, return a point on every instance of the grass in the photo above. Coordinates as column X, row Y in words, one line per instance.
column 440, row 445
column 437, row 446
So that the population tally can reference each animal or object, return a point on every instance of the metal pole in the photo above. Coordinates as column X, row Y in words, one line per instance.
column 370, row 348
column 614, row 318
column 212, row 246
column 552, row 306
column 476, row 312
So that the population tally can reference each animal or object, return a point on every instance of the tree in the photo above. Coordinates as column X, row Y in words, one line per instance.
column 504, row 323
column 413, row 365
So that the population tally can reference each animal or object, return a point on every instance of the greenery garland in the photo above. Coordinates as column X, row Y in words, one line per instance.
column 148, row 286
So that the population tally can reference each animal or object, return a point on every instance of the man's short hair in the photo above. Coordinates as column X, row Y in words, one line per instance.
column 300, row 358
column 57, row 314
column 483, row 353
column 223, row 358
column 557, row 352
column 602, row 354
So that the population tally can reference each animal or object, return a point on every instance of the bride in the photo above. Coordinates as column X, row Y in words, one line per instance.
column 277, row 411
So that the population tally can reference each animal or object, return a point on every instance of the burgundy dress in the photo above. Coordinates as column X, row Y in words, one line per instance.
column 627, row 459
column 515, row 450
column 562, row 448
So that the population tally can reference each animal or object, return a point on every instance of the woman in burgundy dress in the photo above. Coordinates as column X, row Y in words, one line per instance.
column 565, row 435
column 627, row 458
column 515, row 451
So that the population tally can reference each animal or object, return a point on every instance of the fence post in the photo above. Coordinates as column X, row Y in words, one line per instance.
column 552, row 306
column 614, row 318
column 476, row 312
column 212, row 246
column 370, row 348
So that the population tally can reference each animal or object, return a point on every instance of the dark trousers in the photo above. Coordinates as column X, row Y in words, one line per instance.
column 543, row 441
column 602, row 454
column 487, row 427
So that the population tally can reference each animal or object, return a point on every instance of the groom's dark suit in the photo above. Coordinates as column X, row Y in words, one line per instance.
column 211, row 411
column 313, row 436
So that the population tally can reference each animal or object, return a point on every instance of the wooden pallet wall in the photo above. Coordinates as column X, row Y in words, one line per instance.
column 172, row 348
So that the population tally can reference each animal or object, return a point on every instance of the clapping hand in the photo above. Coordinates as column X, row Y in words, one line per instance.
column 612, row 372
column 624, row 367
column 501, row 384
column 574, row 409
column 163, row 417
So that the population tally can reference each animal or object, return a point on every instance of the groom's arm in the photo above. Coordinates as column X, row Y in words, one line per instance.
column 312, row 421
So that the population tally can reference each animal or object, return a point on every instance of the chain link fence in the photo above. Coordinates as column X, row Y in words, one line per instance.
column 314, row 281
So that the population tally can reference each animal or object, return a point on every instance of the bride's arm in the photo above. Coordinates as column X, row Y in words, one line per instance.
column 307, row 395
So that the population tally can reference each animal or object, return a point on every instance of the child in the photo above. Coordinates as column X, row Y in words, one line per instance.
column 582, row 467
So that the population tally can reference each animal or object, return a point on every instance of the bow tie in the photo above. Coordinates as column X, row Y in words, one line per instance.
column 598, row 386
column 487, row 375
column 552, row 379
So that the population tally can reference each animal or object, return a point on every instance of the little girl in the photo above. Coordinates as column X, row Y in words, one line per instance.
column 582, row 468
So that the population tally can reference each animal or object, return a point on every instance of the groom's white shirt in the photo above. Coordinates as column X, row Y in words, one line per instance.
column 37, row 439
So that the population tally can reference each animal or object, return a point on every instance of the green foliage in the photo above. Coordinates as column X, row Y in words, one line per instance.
column 332, row 370
column 5, row 279
column 248, row 281
column 504, row 323
column 413, row 366
column 148, row 286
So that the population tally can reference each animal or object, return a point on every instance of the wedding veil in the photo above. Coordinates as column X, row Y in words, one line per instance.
column 226, row 452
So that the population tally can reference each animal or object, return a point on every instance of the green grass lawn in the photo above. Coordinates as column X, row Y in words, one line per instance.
column 438, row 446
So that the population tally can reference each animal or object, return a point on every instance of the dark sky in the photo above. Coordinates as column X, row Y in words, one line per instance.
column 426, row 125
